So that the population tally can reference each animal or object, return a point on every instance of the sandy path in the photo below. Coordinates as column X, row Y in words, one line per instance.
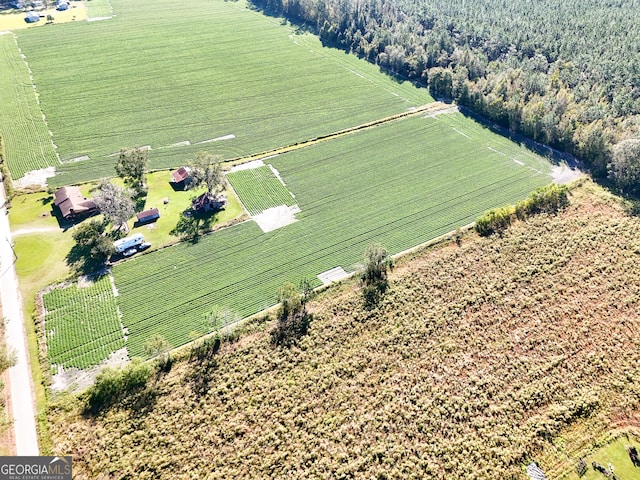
column 27, row 231
column 23, row 409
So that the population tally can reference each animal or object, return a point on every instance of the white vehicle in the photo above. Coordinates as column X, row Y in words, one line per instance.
column 126, row 243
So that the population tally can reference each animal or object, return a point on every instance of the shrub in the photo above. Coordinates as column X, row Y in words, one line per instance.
column 289, row 330
column 113, row 385
column 494, row 221
column 550, row 199
column 293, row 319
column 377, row 263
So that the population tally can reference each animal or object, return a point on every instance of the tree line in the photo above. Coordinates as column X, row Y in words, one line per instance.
column 564, row 73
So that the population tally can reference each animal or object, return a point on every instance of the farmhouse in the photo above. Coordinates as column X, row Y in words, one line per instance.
column 181, row 177
column 150, row 215
column 207, row 202
column 71, row 203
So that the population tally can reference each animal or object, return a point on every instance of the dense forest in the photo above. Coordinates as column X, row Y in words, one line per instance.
column 562, row 72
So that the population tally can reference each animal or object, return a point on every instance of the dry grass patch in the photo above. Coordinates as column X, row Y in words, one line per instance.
column 474, row 363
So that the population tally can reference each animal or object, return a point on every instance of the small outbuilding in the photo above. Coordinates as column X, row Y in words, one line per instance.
column 71, row 203
column 181, row 177
column 32, row 17
column 148, row 216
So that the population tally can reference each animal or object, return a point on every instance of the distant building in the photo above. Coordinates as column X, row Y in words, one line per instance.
column 147, row 216
column 32, row 17
column 181, row 177
column 71, row 203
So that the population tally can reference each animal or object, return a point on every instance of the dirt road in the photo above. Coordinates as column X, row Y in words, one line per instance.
column 23, row 411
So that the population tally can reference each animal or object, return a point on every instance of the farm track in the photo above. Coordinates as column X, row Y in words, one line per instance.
column 23, row 411
column 433, row 108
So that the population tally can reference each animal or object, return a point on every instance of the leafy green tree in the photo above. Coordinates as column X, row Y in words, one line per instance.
column 115, row 203
column 592, row 145
column 132, row 167
column 624, row 168
column 93, row 246
column 289, row 299
column 218, row 317
column 377, row 264
column 207, row 170
column 114, row 385
column 157, row 346
column 293, row 320
column 441, row 82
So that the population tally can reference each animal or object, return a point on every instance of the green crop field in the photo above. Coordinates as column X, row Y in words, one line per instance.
column 216, row 76
column 99, row 8
column 400, row 184
column 27, row 141
column 260, row 189
column 201, row 75
column 82, row 324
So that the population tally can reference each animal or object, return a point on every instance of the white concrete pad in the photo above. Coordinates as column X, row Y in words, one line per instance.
column 333, row 275
column 276, row 217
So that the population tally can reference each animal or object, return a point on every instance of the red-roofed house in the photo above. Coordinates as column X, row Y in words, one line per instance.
column 182, row 176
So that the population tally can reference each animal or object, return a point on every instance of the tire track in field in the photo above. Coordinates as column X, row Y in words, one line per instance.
column 430, row 109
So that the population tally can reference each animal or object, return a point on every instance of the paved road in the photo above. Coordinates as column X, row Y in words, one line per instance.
column 20, row 380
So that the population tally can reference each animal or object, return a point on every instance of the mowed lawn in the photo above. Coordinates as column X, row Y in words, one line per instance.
column 400, row 184
column 186, row 77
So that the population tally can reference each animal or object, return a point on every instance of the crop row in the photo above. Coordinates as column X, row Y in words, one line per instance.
column 352, row 191
column 27, row 141
column 99, row 8
column 82, row 324
column 349, row 199
column 139, row 94
column 259, row 189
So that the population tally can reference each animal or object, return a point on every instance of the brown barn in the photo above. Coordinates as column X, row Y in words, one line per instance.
column 72, row 203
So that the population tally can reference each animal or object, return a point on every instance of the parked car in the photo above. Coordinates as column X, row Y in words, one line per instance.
column 129, row 252
column 143, row 246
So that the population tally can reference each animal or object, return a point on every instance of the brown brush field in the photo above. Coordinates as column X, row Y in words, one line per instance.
column 479, row 359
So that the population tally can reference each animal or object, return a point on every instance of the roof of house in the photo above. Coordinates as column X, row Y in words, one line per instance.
column 71, row 202
column 181, row 174
column 148, row 214
column 207, row 201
